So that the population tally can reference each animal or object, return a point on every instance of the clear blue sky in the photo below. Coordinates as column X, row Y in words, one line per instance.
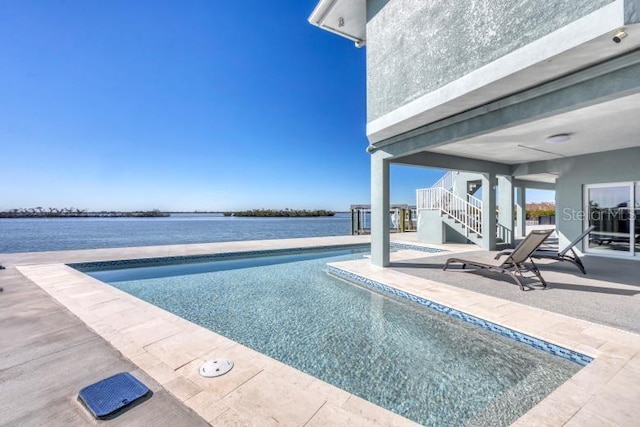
column 182, row 105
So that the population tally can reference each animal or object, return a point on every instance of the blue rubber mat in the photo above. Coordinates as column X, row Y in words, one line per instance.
column 111, row 394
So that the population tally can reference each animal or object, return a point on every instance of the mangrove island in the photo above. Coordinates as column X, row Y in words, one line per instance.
column 78, row 213
column 275, row 213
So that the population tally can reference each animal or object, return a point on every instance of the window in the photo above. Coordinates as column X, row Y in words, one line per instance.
column 636, row 217
column 612, row 208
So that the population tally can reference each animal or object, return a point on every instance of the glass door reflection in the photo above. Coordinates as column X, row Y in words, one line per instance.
column 609, row 209
column 636, row 219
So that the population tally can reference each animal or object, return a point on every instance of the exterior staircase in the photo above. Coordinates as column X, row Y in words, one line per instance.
column 462, row 216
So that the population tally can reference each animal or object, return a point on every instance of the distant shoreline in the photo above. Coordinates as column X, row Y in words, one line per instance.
column 286, row 213
column 254, row 213
column 82, row 214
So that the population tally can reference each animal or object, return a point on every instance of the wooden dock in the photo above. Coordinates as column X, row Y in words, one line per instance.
column 402, row 218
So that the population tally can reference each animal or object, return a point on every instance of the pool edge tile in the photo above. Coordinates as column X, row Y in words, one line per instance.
column 515, row 335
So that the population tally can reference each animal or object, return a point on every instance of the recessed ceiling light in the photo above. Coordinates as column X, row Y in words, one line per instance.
column 556, row 139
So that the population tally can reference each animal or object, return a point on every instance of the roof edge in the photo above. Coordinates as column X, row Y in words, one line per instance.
column 320, row 12
column 320, row 18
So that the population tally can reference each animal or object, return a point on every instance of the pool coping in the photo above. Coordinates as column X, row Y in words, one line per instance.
column 553, row 349
column 603, row 393
column 87, row 267
column 170, row 349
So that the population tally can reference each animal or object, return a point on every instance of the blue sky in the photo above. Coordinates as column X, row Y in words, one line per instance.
column 194, row 105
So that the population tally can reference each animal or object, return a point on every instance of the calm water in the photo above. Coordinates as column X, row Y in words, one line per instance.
column 35, row 235
column 419, row 363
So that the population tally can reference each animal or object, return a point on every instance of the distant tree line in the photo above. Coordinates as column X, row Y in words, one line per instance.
column 535, row 210
column 40, row 212
column 280, row 213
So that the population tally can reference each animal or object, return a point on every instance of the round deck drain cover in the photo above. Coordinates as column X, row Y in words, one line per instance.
column 215, row 367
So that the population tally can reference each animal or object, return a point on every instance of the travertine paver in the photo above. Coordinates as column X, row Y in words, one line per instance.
column 47, row 355
column 604, row 393
column 364, row 408
column 182, row 388
column 178, row 350
column 332, row 395
column 332, row 415
column 207, row 404
column 270, row 397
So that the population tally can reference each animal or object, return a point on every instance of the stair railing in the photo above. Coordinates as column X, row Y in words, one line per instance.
column 446, row 181
column 468, row 214
column 503, row 233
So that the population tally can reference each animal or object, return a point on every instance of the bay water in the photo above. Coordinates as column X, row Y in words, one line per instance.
column 54, row 234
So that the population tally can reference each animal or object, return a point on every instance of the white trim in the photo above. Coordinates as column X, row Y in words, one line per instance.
column 319, row 15
column 320, row 11
column 485, row 80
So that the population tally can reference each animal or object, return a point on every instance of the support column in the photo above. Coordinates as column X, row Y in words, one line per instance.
column 488, row 211
column 380, row 207
column 505, row 209
column 352, row 223
column 521, row 212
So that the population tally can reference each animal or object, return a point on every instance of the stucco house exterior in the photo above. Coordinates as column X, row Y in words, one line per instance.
column 523, row 94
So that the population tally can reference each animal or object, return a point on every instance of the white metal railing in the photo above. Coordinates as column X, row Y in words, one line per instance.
column 445, row 182
column 503, row 233
column 466, row 213
column 474, row 201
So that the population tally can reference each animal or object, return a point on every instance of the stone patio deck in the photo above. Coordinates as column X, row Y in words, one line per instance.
column 47, row 355
column 166, row 350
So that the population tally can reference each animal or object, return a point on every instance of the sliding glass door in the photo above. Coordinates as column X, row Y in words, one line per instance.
column 612, row 209
column 637, row 219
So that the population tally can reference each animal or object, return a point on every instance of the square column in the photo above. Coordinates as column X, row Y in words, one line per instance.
column 505, row 209
column 521, row 211
column 488, row 211
column 380, row 207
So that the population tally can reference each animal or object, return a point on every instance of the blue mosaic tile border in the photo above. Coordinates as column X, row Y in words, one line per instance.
column 570, row 355
column 183, row 259
column 148, row 262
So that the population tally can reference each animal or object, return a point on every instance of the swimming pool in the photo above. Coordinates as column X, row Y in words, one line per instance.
column 429, row 367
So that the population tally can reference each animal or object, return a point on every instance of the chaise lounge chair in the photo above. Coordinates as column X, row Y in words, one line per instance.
column 514, row 264
column 563, row 255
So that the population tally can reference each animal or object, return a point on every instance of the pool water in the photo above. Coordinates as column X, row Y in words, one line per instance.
column 416, row 362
